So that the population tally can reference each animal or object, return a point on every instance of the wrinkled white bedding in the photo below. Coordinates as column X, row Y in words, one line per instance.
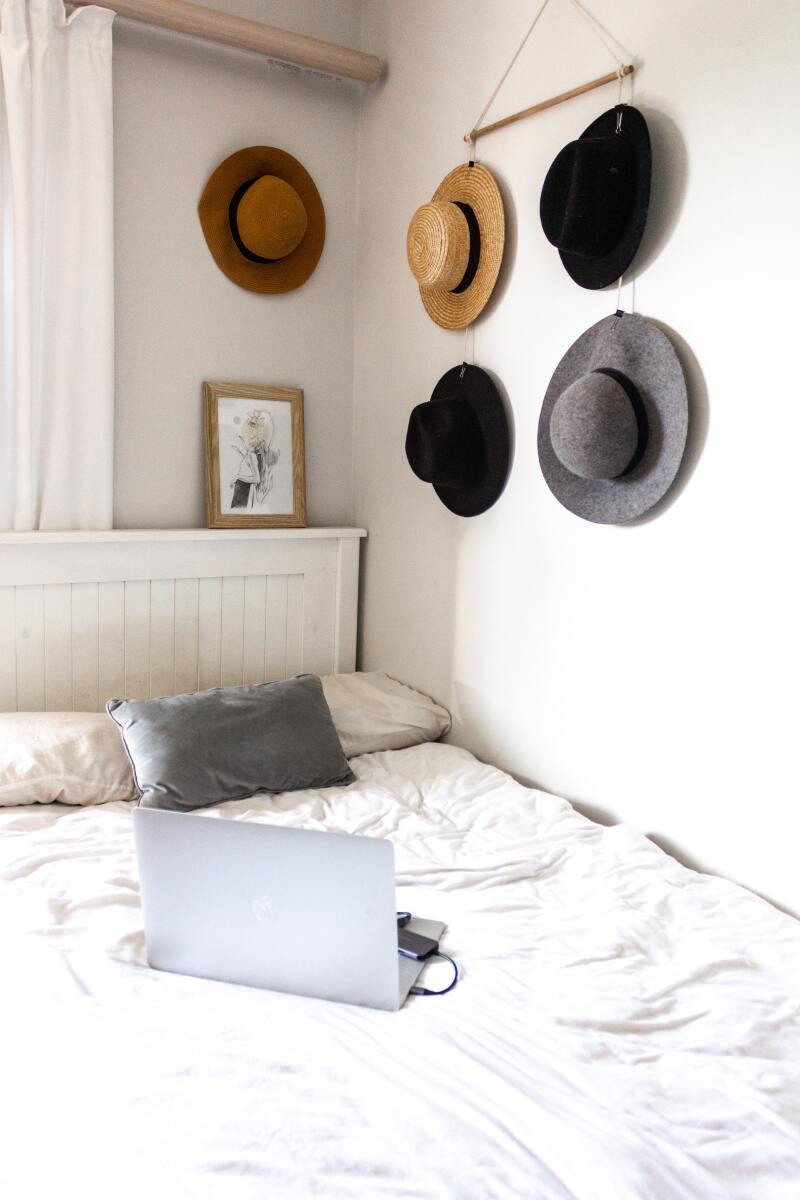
column 625, row 1029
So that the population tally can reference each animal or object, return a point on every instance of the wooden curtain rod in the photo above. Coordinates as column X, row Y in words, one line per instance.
column 543, row 104
column 311, row 53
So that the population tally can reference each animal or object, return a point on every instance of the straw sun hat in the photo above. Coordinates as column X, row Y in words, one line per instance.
column 263, row 219
column 455, row 245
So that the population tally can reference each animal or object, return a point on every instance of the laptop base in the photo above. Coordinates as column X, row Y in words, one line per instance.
column 411, row 968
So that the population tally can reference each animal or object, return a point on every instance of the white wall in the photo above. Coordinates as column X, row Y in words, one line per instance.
column 180, row 107
column 648, row 672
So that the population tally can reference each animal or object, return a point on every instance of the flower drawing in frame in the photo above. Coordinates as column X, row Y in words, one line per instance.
column 254, row 456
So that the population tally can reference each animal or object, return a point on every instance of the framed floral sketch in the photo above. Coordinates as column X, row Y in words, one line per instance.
column 255, row 456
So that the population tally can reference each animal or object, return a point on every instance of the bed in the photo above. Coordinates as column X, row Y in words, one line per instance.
column 624, row 1029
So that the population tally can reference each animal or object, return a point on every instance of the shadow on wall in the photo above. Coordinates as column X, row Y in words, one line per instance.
column 668, row 190
column 669, row 847
column 509, row 247
column 416, row 569
column 670, row 175
column 509, row 411
column 470, row 723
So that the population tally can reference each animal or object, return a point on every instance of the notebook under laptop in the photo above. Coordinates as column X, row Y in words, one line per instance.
column 288, row 909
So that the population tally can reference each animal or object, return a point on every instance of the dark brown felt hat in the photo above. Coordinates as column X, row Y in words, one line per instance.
column 263, row 219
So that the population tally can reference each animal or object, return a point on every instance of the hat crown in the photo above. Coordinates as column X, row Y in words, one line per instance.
column 588, row 195
column 271, row 219
column 443, row 442
column 437, row 244
column 597, row 426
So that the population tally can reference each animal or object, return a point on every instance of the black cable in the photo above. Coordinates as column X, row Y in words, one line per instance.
column 423, row 991
column 402, row 919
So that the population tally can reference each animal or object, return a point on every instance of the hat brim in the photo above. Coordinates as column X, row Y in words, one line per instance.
column 471, row 184
column 474, row 387
column 597, row 273
column 285, row 274
column 640, row 350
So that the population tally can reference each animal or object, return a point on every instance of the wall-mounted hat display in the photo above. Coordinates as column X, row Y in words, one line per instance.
column 460, row 441
column 455, row 245
column 613, row 424
column 595, row 197
column 263, row 219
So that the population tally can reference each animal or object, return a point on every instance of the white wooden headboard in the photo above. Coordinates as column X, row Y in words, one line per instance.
column 88, row 616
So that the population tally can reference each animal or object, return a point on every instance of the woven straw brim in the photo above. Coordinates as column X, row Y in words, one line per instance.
column 475, row 186
column 287, row 273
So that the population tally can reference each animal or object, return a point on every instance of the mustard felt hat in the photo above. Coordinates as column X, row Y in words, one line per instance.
column 455, row 245
column 263, row 219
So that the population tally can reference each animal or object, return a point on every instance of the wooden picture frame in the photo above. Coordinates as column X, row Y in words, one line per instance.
column 254, row 456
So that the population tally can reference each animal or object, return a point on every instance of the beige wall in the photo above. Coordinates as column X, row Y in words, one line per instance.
column 649, row 672
column 180, row 106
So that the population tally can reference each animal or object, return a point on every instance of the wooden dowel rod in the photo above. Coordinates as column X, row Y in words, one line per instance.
column 311, row 53
column 543, row 104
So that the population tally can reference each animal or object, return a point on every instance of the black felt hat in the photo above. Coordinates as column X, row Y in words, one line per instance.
column 595, row 197
column 460, row 441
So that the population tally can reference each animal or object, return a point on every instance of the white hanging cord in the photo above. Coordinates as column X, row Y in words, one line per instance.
column 506, row 73
column 602, row 35
column 465, row 361
column 632, row 305
column 600, row 32
column 617, row 50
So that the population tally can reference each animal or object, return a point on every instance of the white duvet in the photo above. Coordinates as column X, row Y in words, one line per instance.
column 625, row 1029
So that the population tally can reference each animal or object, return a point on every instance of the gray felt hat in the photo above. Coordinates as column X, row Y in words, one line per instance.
column 613, row 425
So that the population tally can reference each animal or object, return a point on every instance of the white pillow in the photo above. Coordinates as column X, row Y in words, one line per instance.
column 373, row 712
column 74, row 757
column 79, row 757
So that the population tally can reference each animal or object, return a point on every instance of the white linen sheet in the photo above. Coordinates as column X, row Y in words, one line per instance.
column 624, row 1029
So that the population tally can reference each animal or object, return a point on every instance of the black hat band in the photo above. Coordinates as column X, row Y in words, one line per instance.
column 474, row 248
column 639, row 413
column 233, row 209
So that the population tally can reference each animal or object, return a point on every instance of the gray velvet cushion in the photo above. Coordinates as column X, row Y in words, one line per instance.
column 194, row 750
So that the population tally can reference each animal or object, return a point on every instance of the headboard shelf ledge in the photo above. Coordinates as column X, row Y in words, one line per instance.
column 41, row 537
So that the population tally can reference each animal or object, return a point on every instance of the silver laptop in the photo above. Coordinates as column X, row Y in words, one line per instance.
column 288, row 909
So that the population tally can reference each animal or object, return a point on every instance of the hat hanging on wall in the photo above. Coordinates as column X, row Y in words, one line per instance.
column 455, row 245
column 460, row 441
column 595, row 197
column 613, row 424
column 263, row 219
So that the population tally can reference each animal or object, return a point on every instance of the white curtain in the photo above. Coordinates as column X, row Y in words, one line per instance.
column 56, row 267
